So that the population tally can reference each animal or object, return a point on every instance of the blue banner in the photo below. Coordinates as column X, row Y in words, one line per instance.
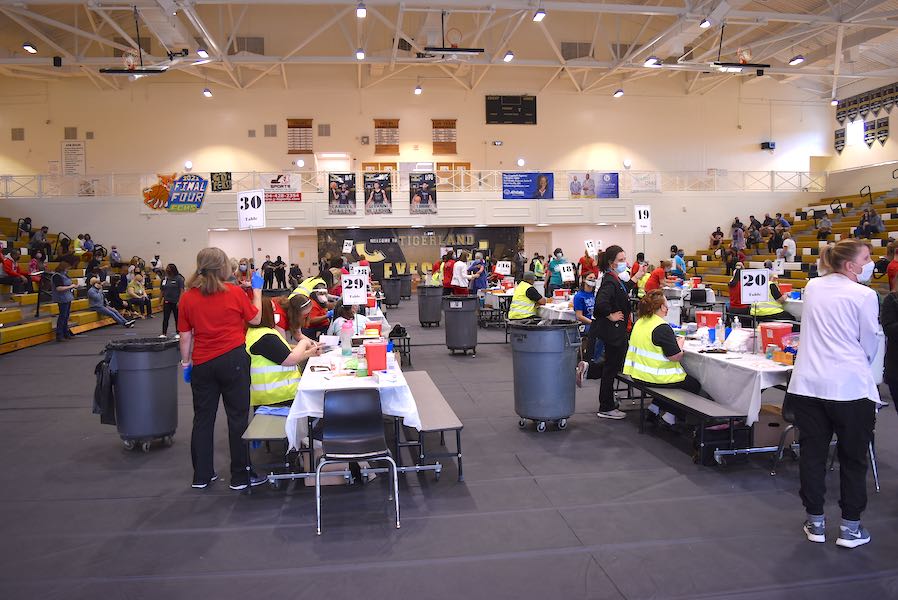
column 528, row 186
column 607, row 185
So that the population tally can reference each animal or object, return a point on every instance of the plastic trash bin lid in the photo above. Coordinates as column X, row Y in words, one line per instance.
column 544, row 324
column 461, row 297
column 142, row 344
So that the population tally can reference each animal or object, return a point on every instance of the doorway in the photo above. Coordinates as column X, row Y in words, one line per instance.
column 304, row 252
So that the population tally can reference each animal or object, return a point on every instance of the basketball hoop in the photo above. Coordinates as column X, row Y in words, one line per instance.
column 744, row 55
column 130, row 58
column 453, row 36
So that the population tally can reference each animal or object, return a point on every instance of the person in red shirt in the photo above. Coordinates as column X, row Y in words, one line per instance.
column 212, row 319
column 448, row 266
column 588, row 265
column 735, row 288
column 892, row 268
column 11, row 275
column 318, row 320
column 640, row 261
column 658, row 278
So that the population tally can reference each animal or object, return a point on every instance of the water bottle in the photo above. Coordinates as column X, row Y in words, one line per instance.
column 719, row 334
column 736, row 323
column 346, row 338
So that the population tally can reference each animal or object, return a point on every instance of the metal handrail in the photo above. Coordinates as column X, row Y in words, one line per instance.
column 834, row 204
column 869, row 193
column 895, row 174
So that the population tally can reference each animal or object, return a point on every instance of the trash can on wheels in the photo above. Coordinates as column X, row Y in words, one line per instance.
column 461, row 322
column 391, row 288
column 405, row 286
column 145, row 381
column 430, row 305
column 538, row 349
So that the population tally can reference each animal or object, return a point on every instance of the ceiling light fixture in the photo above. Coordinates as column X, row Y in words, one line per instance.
column 300, row 163
column 219, row 229
column 360, row 54
column 796, row 60
column 652, row 62
column 542, row 224
column 352, row 227
column 29, row 48
column 207, row 92
column 705, row 24
column 509, row 56
column 360, row 10
column 539, row 15
column 287, row 228
column 618, row 93
column 418, row 90
column 834, row 102
column 201, row 52
column 521, row 162
column 188, row 165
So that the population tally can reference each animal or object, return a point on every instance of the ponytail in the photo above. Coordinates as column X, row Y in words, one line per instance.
column 833, row 258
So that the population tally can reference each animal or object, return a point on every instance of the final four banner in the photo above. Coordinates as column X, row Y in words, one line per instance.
column 528, row 186
column 378, row 194
column 341, row 199
column 422, row 190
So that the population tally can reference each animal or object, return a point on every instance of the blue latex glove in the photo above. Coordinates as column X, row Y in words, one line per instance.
column 330, row 314
column 257, row 281
column 187, row 370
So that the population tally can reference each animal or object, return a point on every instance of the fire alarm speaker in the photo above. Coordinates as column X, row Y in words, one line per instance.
column 768, row 145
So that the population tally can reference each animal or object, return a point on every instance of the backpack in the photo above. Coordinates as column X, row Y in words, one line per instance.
column 398, row 331
column 104, row 393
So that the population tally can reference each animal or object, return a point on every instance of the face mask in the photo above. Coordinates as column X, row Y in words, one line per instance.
column 621, row 267
column 243, row 268
column 558, row 255
column 866, row 273
column 591, row 282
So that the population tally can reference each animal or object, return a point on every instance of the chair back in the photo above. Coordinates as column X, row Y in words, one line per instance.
column 698, row 295
column 788, row 410
column 353, row 423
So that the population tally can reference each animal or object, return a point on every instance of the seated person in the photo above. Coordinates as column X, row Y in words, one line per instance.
column 659, row 277
column 824, row 227
column 97, row 301
column 79, row 245
column 348, row 312
column 655, row 352
column 874, row 224
column 40, row 242
column 137, row 296
column 679, row 265
column 768, row 225
column 11, row 275
column 525, row 300
column 115, row 259
column 781, row 222
column 787, row 252
column 585, row 302
column 753, row 222
column 318, row 321
column 753, row 239
column 772, row 309
column 735, row 287
column 716, row 239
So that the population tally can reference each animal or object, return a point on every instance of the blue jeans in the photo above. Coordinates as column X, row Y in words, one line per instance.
column 110, row 312
column 62, row 321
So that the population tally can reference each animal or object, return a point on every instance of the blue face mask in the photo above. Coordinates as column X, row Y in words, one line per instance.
column 621, row 267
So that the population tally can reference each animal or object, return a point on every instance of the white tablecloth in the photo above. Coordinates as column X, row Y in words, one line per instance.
column 733, row 379
column 395, row 397
column 560, row 312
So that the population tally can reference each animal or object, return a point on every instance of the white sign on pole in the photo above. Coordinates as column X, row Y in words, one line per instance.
column 503, row 267
column 357, row 269
column 355, row 288
column 567, row 271
column 347, row 246
column 755, row 285
column 251, row 210
column 591, row 247
column 643, row 218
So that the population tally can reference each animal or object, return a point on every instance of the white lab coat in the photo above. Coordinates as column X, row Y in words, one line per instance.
column 460, row 274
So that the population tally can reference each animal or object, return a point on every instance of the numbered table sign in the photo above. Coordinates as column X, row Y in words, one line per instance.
column 503, row 267
column 355, row 288
column 591, row 247
column 755, row 285
column 251, row 209
column 567, row 272
column 643, row 218
column 357, row 269
column 347, row 246
column 779, row 266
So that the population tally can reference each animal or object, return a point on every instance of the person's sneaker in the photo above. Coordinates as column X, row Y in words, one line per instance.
column 852, row 539
column 254, row 480
column 200, row 485
column 816, row 532
column 612, row 414
column 129, row 323
column 582, row 367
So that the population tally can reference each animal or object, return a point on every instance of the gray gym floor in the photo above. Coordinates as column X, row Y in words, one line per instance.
column 595, row 511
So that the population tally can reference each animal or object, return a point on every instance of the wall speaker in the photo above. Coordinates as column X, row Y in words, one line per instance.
column 57, row 61
column 768, row 145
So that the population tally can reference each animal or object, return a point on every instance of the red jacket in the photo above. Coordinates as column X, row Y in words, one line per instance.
column 447, row 272
column 11, row 269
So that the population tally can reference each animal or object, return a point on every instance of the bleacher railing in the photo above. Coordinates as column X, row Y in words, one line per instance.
column 631, row 183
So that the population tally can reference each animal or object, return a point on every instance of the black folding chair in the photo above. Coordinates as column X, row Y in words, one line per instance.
column 698, row 299
column 352, row 430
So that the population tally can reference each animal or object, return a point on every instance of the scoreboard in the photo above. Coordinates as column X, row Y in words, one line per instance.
column 511, row 110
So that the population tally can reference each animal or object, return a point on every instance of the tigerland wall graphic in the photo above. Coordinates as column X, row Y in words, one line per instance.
column 399, row 251
column 176, row 194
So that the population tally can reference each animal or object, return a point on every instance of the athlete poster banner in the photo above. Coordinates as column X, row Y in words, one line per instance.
column 528, row 186
column 281, row 187
column 341, row 199
column 378, row 194
column 581, row 184
column 422, row 189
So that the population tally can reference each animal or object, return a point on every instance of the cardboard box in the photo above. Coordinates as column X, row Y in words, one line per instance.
column 770, row 426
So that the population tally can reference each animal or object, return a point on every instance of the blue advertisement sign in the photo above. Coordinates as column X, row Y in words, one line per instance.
column 528, row 186
column 607, row 185
column 187, row 193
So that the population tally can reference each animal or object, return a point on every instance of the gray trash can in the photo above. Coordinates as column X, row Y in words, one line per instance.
column 145, row 379
column 461, row 322
column 430, row 305
column 405, row 286
column 544, row 359
column 391, row 288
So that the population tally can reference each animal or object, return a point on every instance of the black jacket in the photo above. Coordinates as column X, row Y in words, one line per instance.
column 888, row 315
column 613, row 296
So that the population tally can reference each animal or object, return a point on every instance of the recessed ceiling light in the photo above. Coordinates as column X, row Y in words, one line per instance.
column 509, row 56
column 796, row 60
column 418, row 90
column 417, row 226
column 201, row 52
column 542, row 224
column 360, row 54
column 207, row 92
column 360, row 10
column 521, row 162
column 287, row 228
column 480, row 225
column 29, row 48
column 219, row 229
column 352, row 227
column 602, row 223
column 618, row 93
column 705, row 24
column 539, row 15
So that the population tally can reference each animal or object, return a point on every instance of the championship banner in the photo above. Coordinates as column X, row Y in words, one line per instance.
column 869, row 133
column 378, row 194
column 864, row 107
column 882, row 130
column 889, row 97
column 581, row 185
column 839, row 141
column 176, row 194
column 422, row 189
column 841, row 113
column 281, row 187
column 392, row 251
column 608, row 185
column 851, row 109
column 876, row 102
column 528, row 186
column 341, row 199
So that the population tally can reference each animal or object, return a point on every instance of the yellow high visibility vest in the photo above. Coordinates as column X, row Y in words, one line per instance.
column 436, row 278
column 766, row 309
column 641, row 285
column 308, row 284
column 539, row 269
column 521, row 306
column 270, row 383
column 645, row 361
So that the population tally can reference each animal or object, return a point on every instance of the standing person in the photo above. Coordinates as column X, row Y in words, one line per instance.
column 97, row 301
column 738, row 238
column 212, row 320
column 611, row 316
column 478, row 273
column 460, row 277
column 892, row 267
column 295, row 275
column 889, row 319
column 553, row 272
column 62, row 295
column 539, row 266
column 658, row 278
column 280, row 273
column 448, row 268
column 787, row 252
column 587, row 264
column 735, row 291
column 679, row 264
column 640, row 262
column 172, row 287
column 268, row 272
column 137, row 296
column 584, row 304
column 775, row 241
column 832, row 388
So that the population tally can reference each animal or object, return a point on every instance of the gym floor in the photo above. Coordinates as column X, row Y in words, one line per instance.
column 594, row 511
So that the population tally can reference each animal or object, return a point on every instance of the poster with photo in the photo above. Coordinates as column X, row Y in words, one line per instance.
column 422, row 189
column 341, row 198
column 378, row 194
column 608, row 185
column 528, row 186
column 581, row 184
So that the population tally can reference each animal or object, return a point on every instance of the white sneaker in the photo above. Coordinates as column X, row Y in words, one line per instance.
column 852, row 539
column 612, row 414
column 582, row 367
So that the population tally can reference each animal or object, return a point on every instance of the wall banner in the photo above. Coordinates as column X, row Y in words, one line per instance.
column 839, row 142
column 528, row 186
column 341, row 198
column 581, row 185
column 281, row 187
column 869, row 133
column 882, row 130
column 608, row 185
column 378, row 194
column 422, row 189
column 176, row 194
column 221, row 182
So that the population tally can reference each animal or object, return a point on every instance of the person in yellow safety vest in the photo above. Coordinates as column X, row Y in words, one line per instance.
column 772, row 309
column 274, row 366
column 436, row 277
column 643, row 280
column 307, row 285
column 525, row 300
column 654, row 353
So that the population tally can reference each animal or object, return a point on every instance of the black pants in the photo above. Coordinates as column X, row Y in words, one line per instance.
column 269, row 280
column 19, row 286
column 447, row 291
column 780, row 316
column 852, row 422
column 143, row 305
column 614, row 362
column 225, row 377
column 690, row 384
column 282, row 279
column 169, row 309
